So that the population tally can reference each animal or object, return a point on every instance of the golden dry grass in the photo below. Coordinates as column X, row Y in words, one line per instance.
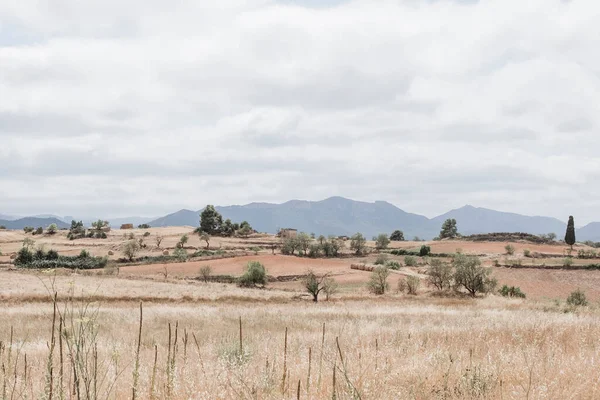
column 392, row 347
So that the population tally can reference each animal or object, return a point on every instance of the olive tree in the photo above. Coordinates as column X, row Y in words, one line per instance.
column 439, row 274
column 470, row 275
column 358, row 243
column 131, row 249
column 381, row 241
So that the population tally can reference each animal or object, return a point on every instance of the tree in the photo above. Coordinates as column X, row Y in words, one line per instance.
column 470, row 275
column 182, row 241
column 131, row 249
column 290, row 245
column 205, row 237
column 449, row 229
column 330, row 287
column 227, row 229
column 255, row 275
column 211, row 220
column 321, row 239
column 158, row 240
column 424, row 251
column 77, row 230
column 382, row 241
column 52, row 229
column 358, row 243
column 314, row 284
column 570, row 235
column 205, row 272
column 245, row 230
column 304, row 241
column 378, row 283
column 332, row 247
column 397, row 236
column 440, row 274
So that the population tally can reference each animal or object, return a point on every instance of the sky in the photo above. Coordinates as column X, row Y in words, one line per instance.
column 143, row 107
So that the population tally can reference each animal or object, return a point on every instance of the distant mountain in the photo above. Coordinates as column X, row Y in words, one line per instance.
column 5, row 217
column 340, row 216
column 335, row 216
column 472, row 220
column 179, row 218
column 588, row 232
column 33, row 222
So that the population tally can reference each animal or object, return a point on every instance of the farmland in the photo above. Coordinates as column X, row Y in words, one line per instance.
column 208, row 340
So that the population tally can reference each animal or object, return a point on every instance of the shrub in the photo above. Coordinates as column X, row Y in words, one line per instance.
column 470, row 275
column 205, row 272
column 382, row 241
column 381, row 259
column 39, row 254
column 146, row 234
column 28, row 229
column 77, row 230
column 330, row 287
column 510, row 250
column 412, row 284
column 424, row 251
column 39, row 231
column 181, row 254
column 512, row 291
column 568, row 262
column 24, row 256
column 526, row 253
column 52, row 229
column 440, row 274
column 255, row 275
column 395, row 265
column 378, row 282
column 401, row 285
column 84, row 254
column 410, row 261
column 577, row 298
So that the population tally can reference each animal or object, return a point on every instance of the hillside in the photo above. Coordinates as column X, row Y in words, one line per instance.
column 33, row 222
column 472, row 220
column 589, row 232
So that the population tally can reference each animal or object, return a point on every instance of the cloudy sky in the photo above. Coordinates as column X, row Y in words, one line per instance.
column 142, row 107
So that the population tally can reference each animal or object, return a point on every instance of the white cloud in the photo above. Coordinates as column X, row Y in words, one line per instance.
column 140, row 107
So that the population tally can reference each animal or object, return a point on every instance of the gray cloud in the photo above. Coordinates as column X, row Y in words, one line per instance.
column 143, row 107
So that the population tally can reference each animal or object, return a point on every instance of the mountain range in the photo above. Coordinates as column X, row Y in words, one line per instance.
column 341, row 216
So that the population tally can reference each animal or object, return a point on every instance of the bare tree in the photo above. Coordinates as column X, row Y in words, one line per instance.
column 158, row 240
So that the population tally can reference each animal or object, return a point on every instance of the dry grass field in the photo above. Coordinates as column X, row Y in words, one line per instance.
column 355, row 346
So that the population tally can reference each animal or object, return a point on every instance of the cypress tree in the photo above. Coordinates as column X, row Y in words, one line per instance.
column 570, row 235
